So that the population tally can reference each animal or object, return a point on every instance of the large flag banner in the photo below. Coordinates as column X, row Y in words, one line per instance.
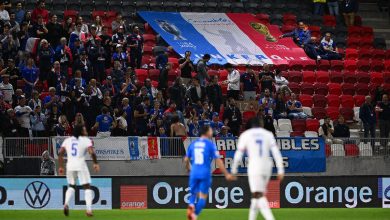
column 235, row 38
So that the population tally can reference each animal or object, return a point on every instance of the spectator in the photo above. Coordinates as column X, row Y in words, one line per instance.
column 177, row 93
column 13, row 73
column 68, row 26
column 48, row 166
column 120, row 55
column 96, row 92
column 79, row 120
column 301, row 35
column 163, row 77
column 118, row 37
column 40, row 11
column 141, row 115
column 38, row 120
column 281, row 83
column 186, row 67
column 368, row 117
column 39, row 28
column 63, row 54
column 326, row 131
column 55, row 31
column 177, row 128
column 10, row 125
column 333, row 6
column 104, row 123
column 349, row 9
column 266, row 78
column 84, row 65
column 98, row 22
column 162, row 60
column 30, row 76
column 75, row 36
column 378, row 94
column 127, row 109
column 294, row 107
column 84, row 27
column 63, row 127
column 249, row 84
column 45, row 57
column 329, row 49
column 22, row 112
column 4, row 16
column 383, row 109
column 9, row 42
column 232, row 117
column 341, row 130
column 15, row 27
column 136, row 43
column 214, row 94
column 216, row 124
column 63, row 90
column 19, row 12
column 197, row 93
column 267, row 103
column 6, row 89
column 193, row 126
column 106, row 44
column 117, row 75
column 52, row 119
column 35, row 100
column 319, row 6
column 117, row 23
column 225, row 133
column 280, row 110
column 51, row 99
column 54, row 77
column 266, row 120
column 233, row 82
column 201, row 69
column 152, row 90
column 121, row 124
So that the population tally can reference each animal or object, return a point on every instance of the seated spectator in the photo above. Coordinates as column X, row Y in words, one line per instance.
column 214, row 94
column 216, row 124
column 326, row 131
column 104, row 123
column 225, row 133
column 267, row 103
column 281, row 83
column 38, row 121
column 294, row 107
column 249, row 84
column 301, row 35
column 349, row 9
column 329, row 49
column 266, row 79
column 341, row 130
column 232, row 117
column 186, row 67
column 40, row 11
column 280, row 110
column 315, row 50
column 78, row 120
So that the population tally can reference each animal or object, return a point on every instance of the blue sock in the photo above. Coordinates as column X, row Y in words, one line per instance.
column 192, row 199
column 200, row 205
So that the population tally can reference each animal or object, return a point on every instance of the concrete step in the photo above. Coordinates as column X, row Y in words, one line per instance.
column 368, row 7
column 377, row 24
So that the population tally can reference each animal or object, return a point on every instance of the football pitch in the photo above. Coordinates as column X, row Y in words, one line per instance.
column 208, row 214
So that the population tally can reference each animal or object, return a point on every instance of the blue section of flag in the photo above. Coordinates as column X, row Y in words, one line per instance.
column 181, row 35
column 133, row 148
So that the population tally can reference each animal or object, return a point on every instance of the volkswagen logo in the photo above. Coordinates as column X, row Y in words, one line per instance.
column 37, row 195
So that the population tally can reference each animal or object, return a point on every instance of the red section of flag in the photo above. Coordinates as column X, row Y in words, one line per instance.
column 134, row 197
column 153, row 148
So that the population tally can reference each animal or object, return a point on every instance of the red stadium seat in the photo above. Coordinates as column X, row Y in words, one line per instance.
column 348, row 89
column 386, row 88
column 309, row 65
column 307, row 88
column 333, row 112
column 154, row 74
column 377, row 66
column 149, row 39
column 213, row 73
column 306, row 100
column 334, row 88
column 224, row 89
column 101, row 14
column 282, row 67
column 329, row 20
column 347, row 101
column 148, row 50
column 285, row 74
column 319, row 112
column 71, row 14
column 299, row 125
column 354, row 31
column 358, row 100
column 264, row 18
column 321, row 89
column 223, row 75
column 286, row 28
column 295, row 87
column 337, row 65
column 351, row 54
column 386, row 77
column 363, row 54
column 350, row 77
column 351, row 150
column 387, row 54
column 320, row 101
column 295, row 76
column 378, row 54
column 353, row 42
column 366, row 43
column 312, row 125
column 363, row 65
column 315, row 31
column 363, row 77
column 333, row 100
column 372, row 89
column 350, row 65
column 336, row 77
column 361, row 89
column 322, row 76
column 289, row 19
column 141, row 74
column 324, row 65
column 246, row 115
column 309, row 76
column 387, row 65
column 295, row 65
column 173, row 74
column 366, row 31
column 297, row 134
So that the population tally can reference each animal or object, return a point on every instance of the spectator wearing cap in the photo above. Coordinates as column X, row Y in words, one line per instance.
column 46, row 59
column 232, row 117
column 30, row 76
column 40, row 11
column 117, row 23
column 19, row 12
column 63, row 55
column 136, row 43
column 233, row 82
column 4, row 16
column 22, row 112
column 249, row 84
column 7, row 89
column 177, row 93
column 84, row 65
column 108, row 85
column 38, row 120
column 39, row 28
column 201, row 69
column 12, row 71
column 55, row 31
column 120, row 55
column 119, row 37
column 216, row 124
column 197, row 93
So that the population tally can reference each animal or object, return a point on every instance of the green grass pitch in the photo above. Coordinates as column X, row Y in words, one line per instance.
column 207, row 214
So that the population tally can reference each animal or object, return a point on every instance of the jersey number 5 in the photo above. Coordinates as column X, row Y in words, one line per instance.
column 260, row 143
column 199, row 156
column 74, row 149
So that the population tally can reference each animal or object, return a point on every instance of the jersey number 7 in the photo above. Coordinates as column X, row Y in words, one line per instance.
column 260, row 142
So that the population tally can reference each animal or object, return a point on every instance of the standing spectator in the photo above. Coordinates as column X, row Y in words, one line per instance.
column 301, row 35
column 117, row 23
column 63, row 127
column 15, row 27
column 41, row 11
column 233, row 82
column 68, row 26
column 104, row 123
column 319, row 6
column 55, row 31
column 216, row 124
column 163, row 77
column 127, row 109
column 280, row 110
column 141, row 117
column 6, row 89
column 35, row 100
column 48, row 166
column 52, row 119
column 10, row 43
column 96, row 92
column 37, row 119
column 51, row 99
column 197, row 93
column 98, row 22
column 186, row 67
column 136, row 43
column 349, row 9
column 267, row 103
column 75, row 36
column 10, row 125
column 84, row 65
column 106, row 44
column 54, row 77
column 266, row 78
column 341, row 130
column 177, row 93
column 4, row 16
column 333, row 6
column 84, row 27
column 63, row 89
column 22, row 112
column 368, row 117
column 162, row 59
column 13, row 72
column 120, row 55
column 63, row 54
column 225, row 133
column 119, row 37
column 117, row 75
column 121, row 124
column 232, row 117
column 294, row 107
column 19, row 13
column 45, row 57
column 201, row 69
column 281, row 83
column 214, row 94
column 193, row 126
column 249, row 84
column 383, row 109
column 30, row 76
column 39, row 28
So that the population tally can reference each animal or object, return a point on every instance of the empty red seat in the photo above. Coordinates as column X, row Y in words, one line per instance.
column 295, row 87
column 372, row 89
column 321, row 89
column 350, row 65
column 377, row 66
column 154, row 74
column 378, row 54
column 350, row 77
column 307, row 88
column 351, row 150
column 361, row 89
column 223, row 75
column 354, row 31
column 336, row 77
column 348, row 89
column 173, row 74
column 320, row 101
column 353, row 42
column 299, row 125
column 366, row 43
column 329, row 20
column 282, row 67
column 264, row 18
column 309, row 76
column 309, row 65
column 295, row 65
column 322, row 76
column 363, row 65
column 351, row 54
column 363, row 77
column 295, row 76
column 289, row 19
column 306, row 100
column 319, row 112
column 386, row 77
column 337, row 65
column 366, row 32
column 246, row 115
column 324, row 65
column 334, row 88
column 174, row 61
column 312, row 125
column 332, row 112
column 315, row 31
column 347, row 101
column 364, row 54
column 333, row 100
column 296, row 134
column 359, row 100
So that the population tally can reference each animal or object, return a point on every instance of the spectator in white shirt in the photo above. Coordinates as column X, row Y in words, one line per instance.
column 4, row 16
column 23, row 116
column 7, row 89
column 281, row 83
column 233, row 82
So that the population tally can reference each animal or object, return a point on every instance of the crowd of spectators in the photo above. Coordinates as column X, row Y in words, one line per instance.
column 348, row 8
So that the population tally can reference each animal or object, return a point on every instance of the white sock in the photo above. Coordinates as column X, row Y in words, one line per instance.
column 68, row 195
column 253, row 210
column 88, row 199
column 262, row 203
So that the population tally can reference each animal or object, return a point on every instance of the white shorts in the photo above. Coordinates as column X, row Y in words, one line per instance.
column 258, row 182
column 83, row 176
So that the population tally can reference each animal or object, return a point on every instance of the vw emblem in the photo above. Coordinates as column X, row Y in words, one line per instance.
column 37, row 195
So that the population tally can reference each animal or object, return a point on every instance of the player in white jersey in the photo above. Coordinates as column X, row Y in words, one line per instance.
column 76, row 148
column 257, row 143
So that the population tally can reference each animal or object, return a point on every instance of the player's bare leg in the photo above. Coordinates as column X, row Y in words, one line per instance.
column 260, row 203
column 68, row 196
column 190, row 211
column 88, row 199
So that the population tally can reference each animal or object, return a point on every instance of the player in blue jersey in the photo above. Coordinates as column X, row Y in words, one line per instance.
column 198, row 160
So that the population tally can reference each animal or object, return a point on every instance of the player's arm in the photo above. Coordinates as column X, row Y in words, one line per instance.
column 61, row 154
column 187, row 164
column 278, row 158
column 238, row 154
column 91, row 152
column 222, row 168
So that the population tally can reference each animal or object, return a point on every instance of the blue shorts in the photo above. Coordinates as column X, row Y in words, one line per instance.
column 200, row 185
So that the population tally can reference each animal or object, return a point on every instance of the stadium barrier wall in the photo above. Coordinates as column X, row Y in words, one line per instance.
column 154, row 192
